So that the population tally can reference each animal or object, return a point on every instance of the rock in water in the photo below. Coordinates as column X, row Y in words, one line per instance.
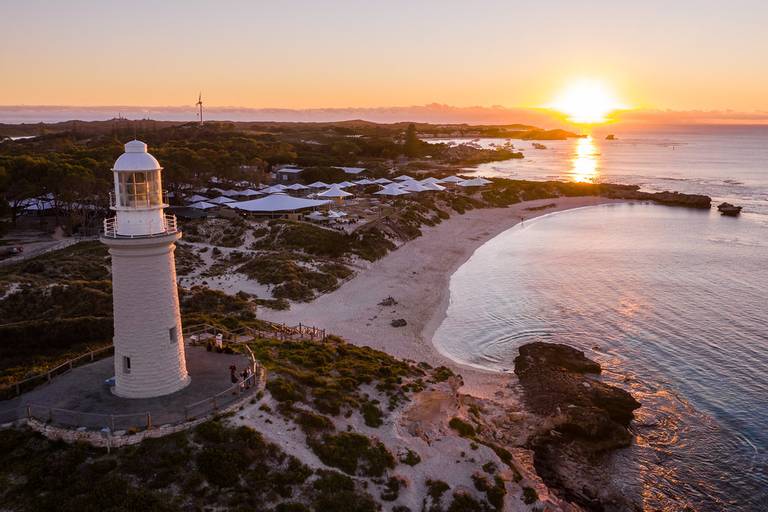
column 400, row 322
column 585, row 420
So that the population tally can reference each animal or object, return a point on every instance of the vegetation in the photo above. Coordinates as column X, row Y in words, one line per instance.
column 462, row 427
column 353, row 453
column 213, row 467
column 326, row 376
column 530, row 495
column 494, row 492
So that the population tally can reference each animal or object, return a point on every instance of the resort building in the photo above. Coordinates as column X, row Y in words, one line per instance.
column 288, row 175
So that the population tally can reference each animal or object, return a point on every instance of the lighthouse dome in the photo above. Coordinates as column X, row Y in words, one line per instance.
column 136, row 158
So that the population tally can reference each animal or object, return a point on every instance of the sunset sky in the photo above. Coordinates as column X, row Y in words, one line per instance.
column 680, row 55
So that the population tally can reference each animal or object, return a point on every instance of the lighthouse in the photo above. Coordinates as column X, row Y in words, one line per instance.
column 149, row 348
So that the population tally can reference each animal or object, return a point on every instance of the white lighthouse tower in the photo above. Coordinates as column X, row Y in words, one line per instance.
column 149, row 349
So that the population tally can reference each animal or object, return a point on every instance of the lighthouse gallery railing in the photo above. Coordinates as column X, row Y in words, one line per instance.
column 111, row 228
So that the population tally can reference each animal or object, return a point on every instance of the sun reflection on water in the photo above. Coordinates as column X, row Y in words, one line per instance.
column 585, row 160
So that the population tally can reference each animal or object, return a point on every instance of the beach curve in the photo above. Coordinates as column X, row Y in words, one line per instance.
column 417, row 275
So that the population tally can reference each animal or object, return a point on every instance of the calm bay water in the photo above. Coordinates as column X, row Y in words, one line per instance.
column 673, row 302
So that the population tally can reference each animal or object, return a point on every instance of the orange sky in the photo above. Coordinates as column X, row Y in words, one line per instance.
column 682, row 55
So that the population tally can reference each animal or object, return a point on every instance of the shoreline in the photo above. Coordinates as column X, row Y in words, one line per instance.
column 417, row 275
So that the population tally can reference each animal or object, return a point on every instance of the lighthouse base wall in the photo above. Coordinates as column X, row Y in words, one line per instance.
column 149, row 347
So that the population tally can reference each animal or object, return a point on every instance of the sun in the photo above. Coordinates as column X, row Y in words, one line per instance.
column 587, row 102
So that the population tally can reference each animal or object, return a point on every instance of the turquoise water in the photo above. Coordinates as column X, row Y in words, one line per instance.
column 673, row 302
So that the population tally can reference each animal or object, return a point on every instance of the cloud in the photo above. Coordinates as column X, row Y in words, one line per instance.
column 432, row 113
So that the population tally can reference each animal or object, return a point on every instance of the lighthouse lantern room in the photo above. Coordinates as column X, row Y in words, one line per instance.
column 149, row 349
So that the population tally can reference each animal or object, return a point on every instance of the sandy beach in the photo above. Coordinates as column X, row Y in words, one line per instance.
column 417, row 276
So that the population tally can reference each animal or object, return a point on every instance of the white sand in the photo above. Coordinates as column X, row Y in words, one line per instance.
column 417, row 276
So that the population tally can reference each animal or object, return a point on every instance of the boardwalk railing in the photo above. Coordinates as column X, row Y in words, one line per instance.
column 205, row 332
column 201, row 333
column 134, row 422
column 21, row 386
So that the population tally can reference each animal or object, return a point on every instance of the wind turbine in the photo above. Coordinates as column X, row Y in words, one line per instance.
column 200, row 105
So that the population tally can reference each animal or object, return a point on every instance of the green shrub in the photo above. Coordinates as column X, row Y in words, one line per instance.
column 494, row 493
column 411, row 458
column 329, row 482
column 313, row 423
column 221, row 466
column 462, row 427
column 463, row 502
column 392, row 488
column 441, row 374
column 530, row 495
column 371, row 414
column 284, row 390
column 292, row 507
column 436, row 489
column 353, row 453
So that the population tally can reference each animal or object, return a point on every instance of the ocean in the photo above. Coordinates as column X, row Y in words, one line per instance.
column 672, row 301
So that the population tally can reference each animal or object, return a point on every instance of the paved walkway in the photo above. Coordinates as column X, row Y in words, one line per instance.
column 83, row 392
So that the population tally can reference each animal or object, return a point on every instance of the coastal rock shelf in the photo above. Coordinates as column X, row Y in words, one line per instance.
column 585, row 420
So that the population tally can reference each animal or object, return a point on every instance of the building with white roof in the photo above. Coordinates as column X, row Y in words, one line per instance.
column 288, row 174
column 278, row 204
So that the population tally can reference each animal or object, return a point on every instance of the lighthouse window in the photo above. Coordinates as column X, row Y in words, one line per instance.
column 174, row 334
column 126, row 364
column 140, row 189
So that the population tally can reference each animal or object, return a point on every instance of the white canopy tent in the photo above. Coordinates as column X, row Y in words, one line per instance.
column 274, row 189
column 413, row 186
column 392, row 190
column 334, row 192
column 318, row 184
column 317, row 216
column 403, row 177
column 221, row 200
column 475, row 182
column 296, row 186
column 249, row 192
column 433, row 186
column 382, row 181
column 197, row 198
column 452, row 179
column 431, row 179
column 352, row 170
column 332, row 214
column 343, row 184
column 203, row 205
column 365, row 181
column 278, row 203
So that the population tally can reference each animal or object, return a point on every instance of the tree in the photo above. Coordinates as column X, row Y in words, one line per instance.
column 23, row 179
column 411, row 146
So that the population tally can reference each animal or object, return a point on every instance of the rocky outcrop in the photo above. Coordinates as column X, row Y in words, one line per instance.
column 583, row 421
column 666, row 198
